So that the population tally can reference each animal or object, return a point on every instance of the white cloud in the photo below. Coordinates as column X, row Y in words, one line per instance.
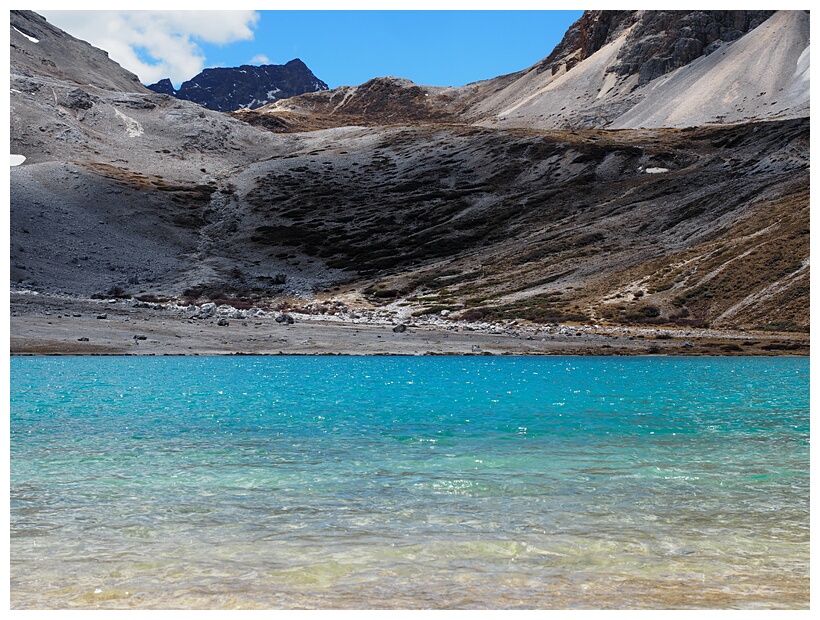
column 168, row 37
column 260, row 59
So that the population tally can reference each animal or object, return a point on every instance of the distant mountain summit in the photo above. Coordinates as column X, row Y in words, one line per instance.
column 247, row 87
column 164, row 87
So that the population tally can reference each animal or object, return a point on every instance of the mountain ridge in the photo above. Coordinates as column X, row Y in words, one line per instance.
column 245, row 87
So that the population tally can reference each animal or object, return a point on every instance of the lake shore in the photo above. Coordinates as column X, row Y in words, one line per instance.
column 61, row 325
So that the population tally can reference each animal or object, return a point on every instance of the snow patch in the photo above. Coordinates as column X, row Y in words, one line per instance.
column 32, row 39
column 132, row 127
column 16, row 160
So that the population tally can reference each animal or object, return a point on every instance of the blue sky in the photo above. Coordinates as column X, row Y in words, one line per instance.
column 436, row 48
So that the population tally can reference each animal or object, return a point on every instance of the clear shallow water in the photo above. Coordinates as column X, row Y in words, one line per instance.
column 390, row 482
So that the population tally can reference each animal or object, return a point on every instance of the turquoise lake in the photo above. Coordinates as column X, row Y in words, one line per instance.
column 409, row 482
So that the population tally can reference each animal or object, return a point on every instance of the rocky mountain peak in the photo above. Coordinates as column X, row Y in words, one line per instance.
column 164, row 87
column 662, row 41
column 657, row 42
column 630, row 69
column 246, row 87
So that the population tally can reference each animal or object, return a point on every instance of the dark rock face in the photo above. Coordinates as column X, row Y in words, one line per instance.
column 163, row 87
column 585, row 37
column 660, row 42
column 666, row 40
column 248, row 86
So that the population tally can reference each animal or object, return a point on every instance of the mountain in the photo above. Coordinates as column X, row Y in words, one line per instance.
column 666, row 70
column 163, row 87
column 617, row 70
column 248, row 86
column 663, row 200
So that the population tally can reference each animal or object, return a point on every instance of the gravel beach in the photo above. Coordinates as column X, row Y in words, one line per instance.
column 60, row 325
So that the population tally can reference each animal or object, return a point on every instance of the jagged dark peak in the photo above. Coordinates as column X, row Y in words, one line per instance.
column 658, row 41
column 245, row 87
column 164, row 87
column 296, row 62
column 35, row 45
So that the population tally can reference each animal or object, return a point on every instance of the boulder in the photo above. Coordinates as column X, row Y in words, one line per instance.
column 206, row 311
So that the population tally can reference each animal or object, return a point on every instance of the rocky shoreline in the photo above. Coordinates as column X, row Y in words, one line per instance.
column 43, row 324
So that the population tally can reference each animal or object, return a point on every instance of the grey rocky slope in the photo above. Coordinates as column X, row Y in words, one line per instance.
column 119, row 184
column 132, row 192
column 40, row 49
column 663, row 69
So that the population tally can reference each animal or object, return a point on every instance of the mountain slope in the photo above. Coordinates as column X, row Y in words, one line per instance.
column 116, row 177
column 659, row 69
column 763, row 75
column 39, row 49
column 554, row 226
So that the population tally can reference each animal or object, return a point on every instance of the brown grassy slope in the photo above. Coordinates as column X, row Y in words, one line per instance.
column 378, row 102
